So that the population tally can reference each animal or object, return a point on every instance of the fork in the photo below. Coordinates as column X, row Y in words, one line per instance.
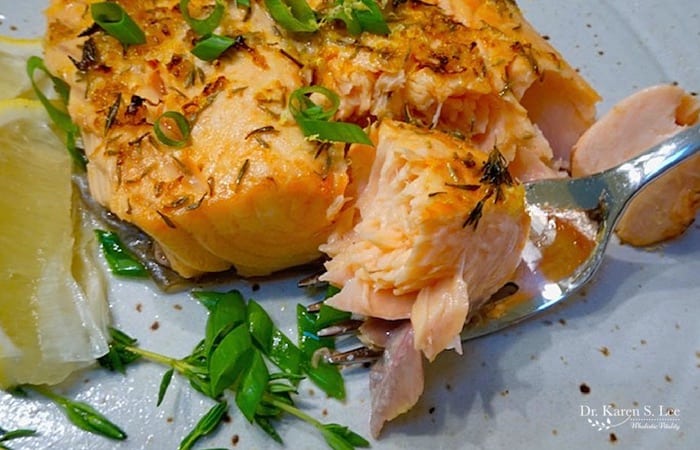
column 595, row 203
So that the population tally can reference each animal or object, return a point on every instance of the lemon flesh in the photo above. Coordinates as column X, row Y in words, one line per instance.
column 14, row 81
column 52, row 320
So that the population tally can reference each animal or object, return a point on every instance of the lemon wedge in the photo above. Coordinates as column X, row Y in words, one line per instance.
column 14, row 81
column 53, row 313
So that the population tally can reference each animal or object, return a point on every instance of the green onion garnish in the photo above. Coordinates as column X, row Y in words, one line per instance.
column 314, row 120
column 359, row 16
column 183, row 129
column 116, row 22
column 293, row 15
column 58, row 116
column 212, row 46
column 206, row 25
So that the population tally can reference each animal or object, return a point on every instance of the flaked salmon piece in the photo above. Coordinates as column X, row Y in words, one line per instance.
column 668, row 206
column 474, row 68
column 247, row 190
column 431, row 238
column 396, row 381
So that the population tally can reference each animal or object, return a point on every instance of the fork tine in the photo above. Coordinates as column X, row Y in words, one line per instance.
column 314, row 307
column 349, row 326
column 359, row 355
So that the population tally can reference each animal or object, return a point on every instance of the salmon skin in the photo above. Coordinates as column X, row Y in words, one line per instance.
column 248, row 190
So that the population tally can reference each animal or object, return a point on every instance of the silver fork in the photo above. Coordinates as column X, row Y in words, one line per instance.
column 594, row 203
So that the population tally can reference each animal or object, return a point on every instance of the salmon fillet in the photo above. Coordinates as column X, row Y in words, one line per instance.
column 248, row 190
column 473, row 68
column 462, row 100
column 668, row 206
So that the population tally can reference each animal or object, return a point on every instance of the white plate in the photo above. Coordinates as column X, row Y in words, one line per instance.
column 518, row 389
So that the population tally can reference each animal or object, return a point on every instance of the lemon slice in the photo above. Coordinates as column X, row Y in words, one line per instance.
column 14, row 81
column 50, row 323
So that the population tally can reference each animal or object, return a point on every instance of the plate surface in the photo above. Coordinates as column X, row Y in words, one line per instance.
column 632, row 338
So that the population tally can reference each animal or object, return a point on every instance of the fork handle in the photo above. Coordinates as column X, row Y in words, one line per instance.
column 629, row 178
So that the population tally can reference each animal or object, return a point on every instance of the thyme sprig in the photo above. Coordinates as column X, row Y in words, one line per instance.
column 495, row 175
column 82, row 415
column 6, row 435
column 240, row 343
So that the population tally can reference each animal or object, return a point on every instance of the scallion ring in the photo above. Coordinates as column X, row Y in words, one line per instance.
column 117, row 23
column 300, row 105
column 183, row 129
column 293, row 15
column 206, row 25
column 314, row 120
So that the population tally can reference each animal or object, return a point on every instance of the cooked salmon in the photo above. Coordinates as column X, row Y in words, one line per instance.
column 473, row 68
column 248, row 189
column 462, row 100
column 432, row 234
column 668, row 206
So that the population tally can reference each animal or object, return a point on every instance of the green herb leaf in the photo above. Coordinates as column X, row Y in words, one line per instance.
column 253, row 384
column 342, row 437
column 293, row 15
column 164, row 383
column 121, row 261
column 15, row 434
column 314, row 120
column 83, row 415
column 207, row 24
column 275, row 344
column 168, row 135
column 205, row 426
column 331, row 291
column 58, row 116
column 326, row 376
column 327, row 316
column 228, row 311
column 86, row 417
column 229, row 359
column 116, row 22
column 118, row 356
column 266, row 425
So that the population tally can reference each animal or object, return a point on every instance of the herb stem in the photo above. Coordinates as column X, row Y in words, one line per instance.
column 177, row 364
column 293, row 410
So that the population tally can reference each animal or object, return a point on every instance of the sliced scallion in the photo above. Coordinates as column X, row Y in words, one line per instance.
column 370, row 18
column 359, row 16
column 213, row 46
column 209, row 23
column 116, row 22
column 322, row 130
column 314, row 120
column 172, row 137
column 293, row 15
column 58, row 116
